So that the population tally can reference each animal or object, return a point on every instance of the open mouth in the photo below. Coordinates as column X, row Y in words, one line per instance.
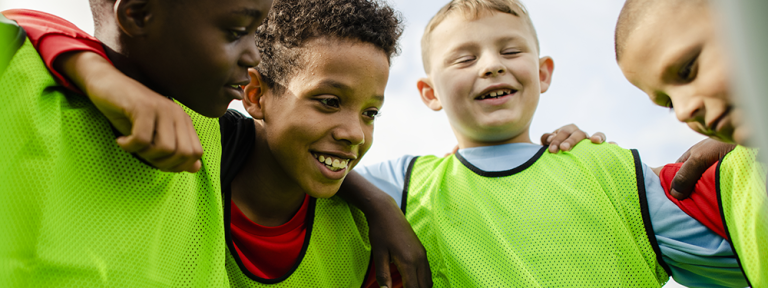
column 332, row 162
column 496, row 94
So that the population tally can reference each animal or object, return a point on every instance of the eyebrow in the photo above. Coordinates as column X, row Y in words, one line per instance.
column 345, row 88
column 253, row 13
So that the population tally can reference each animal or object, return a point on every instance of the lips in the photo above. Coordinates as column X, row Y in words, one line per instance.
column 721, row 123
column 236, row 89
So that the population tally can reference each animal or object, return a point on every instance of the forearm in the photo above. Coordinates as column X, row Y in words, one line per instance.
column 85, row 69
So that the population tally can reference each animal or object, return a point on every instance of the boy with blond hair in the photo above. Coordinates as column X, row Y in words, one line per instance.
column 501, row 212
column 671, row 50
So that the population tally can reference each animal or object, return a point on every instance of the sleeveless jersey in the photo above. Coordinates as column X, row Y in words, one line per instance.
column 77, row 211
column 571, row 219
column 744, row 209
column 336, row 250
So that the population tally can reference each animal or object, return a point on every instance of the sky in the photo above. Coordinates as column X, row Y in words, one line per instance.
column 588, row 88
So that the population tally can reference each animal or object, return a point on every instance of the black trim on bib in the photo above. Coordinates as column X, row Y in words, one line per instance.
column 644, row 210
column 404, row 199
column 310, row 221
column 494, row 174
column 725, row 224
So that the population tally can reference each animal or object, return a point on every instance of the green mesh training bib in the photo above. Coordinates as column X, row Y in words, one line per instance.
column 336, row 251
column 571, row 219
column 744, row 208
column 77, row 211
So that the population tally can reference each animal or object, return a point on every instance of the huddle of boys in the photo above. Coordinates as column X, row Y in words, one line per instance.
column 97, row 216
column 489, row 118
column 678, row 59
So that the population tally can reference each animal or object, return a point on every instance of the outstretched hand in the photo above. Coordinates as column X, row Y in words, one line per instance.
column 157, row 129
column 696, row 161
column 567, row 136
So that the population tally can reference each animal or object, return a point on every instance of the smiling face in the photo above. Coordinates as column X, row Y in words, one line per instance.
column 321, row 124
column 487, row 75
column 199, row 52
column 676, row 58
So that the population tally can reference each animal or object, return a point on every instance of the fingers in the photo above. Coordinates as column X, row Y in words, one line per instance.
column 565, row 138
column 598, row 138
column 685, row 179
column 166, row 138
column 141, row 134
column 381, row 260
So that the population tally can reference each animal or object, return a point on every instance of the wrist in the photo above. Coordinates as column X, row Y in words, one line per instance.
column 85, row 69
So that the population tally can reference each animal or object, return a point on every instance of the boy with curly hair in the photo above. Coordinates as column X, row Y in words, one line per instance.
column 182, row 222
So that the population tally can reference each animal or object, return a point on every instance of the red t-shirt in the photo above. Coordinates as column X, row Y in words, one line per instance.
column 267, row 252
column 702, row 204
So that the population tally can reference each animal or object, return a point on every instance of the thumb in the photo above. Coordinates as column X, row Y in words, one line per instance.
column 685, row 179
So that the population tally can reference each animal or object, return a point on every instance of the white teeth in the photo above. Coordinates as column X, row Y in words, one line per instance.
column 493, row 94
column 334, row 164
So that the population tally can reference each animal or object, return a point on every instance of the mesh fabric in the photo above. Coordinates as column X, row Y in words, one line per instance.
column 571, row 219
column 77, row 211
column 744, row 205
column 337, row 255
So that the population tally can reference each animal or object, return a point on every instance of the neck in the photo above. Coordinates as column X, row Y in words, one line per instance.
column 263, row 190
column 467, row 142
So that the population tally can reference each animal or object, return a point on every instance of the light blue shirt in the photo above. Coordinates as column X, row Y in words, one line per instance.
column 697, row 256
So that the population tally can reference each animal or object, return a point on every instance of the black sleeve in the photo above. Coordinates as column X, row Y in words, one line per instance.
column 238, row 135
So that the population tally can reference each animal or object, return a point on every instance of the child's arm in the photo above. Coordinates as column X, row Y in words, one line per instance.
column 390, row 233
column 158, row 130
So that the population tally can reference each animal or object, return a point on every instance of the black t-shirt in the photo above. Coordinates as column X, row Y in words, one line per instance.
column 238, row 136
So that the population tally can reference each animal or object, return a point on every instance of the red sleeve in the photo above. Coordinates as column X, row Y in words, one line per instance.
column 53, row 36
column 702, row 204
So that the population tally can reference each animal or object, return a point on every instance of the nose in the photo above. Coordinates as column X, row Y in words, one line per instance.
column 492, row 68
column 689, row 108
column 250, row 57
column 350, row 130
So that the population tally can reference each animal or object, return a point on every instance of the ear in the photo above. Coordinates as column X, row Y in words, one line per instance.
column 428, row 94
column 546, row 66
column 254, row 95
column 132, row 16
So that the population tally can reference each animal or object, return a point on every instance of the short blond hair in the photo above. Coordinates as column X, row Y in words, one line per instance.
column 474, row 9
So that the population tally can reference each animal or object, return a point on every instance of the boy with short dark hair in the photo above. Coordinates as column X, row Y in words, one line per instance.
column 501, row 212
column 671, row 50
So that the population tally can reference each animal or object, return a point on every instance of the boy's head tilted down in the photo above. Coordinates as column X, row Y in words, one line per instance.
column 197, row 53
column 483, row 67
column 671, row 50
column 321, row 85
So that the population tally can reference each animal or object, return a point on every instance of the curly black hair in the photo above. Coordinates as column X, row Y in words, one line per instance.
column 292, row 23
